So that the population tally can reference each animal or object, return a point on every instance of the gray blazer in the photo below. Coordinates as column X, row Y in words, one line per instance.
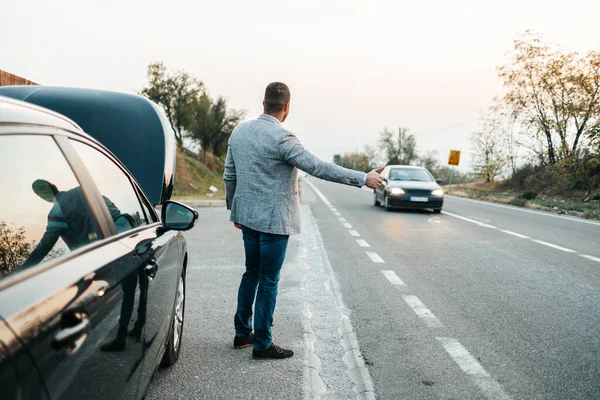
column 261, row 176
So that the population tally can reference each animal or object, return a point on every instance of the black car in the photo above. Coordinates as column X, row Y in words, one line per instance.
column 92, row 281
column 409, row 187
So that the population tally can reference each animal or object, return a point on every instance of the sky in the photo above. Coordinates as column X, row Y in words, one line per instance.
column 354, row 67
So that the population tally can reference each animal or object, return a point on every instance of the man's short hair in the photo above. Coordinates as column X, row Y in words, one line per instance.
column 277, row 95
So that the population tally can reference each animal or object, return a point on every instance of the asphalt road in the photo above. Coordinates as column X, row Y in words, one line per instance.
column 481, row 302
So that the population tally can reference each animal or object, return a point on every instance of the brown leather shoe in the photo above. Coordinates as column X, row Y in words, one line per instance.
column 241, row 343
column 273, row 351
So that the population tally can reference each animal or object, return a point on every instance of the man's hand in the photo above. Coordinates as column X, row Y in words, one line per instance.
column 374, row 180
column 239, row 226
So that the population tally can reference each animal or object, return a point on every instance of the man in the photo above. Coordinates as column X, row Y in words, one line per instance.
column 69, row 219
column 261, row 179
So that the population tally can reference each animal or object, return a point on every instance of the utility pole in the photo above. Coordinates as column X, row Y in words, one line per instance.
column 400, row 137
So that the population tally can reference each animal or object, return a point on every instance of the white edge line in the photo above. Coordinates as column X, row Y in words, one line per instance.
column 553, row 246
column 514, row 208
column 375, row 257
column 515, row 234
column 392, row 277
column 590, row 257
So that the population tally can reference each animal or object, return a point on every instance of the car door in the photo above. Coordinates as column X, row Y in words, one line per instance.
column 18, row 377
column 159, row 254
column 66, row 287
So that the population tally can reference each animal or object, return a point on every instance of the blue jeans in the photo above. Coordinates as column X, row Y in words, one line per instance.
column 265, row 253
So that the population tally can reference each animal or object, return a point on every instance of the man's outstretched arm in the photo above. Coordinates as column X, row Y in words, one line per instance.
column 294, row 153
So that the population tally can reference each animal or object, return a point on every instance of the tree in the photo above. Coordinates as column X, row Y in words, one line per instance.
column 212, row 124
column 14, row 247
column 555, row 94
column 176, row 93
column 398, row 148
column 487, row 145
column 372, row 155
column 389, row 146
column 429, row 160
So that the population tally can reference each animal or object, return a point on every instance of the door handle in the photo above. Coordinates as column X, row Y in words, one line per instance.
column 72, row 337
column 151, row 268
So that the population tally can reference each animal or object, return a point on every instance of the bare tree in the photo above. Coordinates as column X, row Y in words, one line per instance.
column 489, row 157
column 555, row 94
column 14, row 247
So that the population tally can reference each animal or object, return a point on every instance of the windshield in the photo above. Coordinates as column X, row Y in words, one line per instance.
column 410, row 174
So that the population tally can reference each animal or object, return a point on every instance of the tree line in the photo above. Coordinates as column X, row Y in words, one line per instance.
column 548, row 120
column 398, row 148
column 192, row 113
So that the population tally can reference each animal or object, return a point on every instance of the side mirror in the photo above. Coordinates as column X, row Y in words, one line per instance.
column 438, row 181
column 177, row 216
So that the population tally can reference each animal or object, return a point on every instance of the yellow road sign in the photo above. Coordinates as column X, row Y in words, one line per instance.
column 454, row 157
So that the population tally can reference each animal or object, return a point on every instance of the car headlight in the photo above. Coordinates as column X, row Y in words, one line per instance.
column 396, row 191
column 437, row 192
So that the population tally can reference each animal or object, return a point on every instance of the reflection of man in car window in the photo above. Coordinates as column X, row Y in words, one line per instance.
column 69, row 219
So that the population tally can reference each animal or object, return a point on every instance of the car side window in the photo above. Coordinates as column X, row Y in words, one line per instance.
column 114, row 185
column 43, row 211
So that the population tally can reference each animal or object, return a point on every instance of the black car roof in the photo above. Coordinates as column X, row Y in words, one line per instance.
column 132, row 127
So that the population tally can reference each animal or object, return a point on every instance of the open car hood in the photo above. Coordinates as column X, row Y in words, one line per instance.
column 132, row 127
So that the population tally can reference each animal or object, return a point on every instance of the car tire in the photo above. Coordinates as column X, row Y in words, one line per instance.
column 386, row 203
column 173, row 349
column 437, row 211
column 376, row 202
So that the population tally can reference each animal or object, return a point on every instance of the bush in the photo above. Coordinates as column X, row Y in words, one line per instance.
column 529, row 195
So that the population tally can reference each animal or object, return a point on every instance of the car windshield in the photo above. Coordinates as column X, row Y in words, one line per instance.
column 410, row 174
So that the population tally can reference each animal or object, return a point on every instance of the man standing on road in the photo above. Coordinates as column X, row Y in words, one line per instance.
column 261, row 179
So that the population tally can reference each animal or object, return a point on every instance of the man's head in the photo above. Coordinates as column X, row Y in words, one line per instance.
column 277, row 100
column 44, row 189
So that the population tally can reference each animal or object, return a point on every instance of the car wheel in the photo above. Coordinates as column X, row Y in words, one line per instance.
column 437, row 211
column 375, row 201
column 176, row 331
column 386, row 203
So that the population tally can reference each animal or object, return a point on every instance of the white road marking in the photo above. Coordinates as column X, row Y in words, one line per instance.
column 354, row 233
column 332, row 208
column 375, row 257
column 353, row 358
column 469, row 220
column 342, row 219
column 319, row 194
column 347, row 225
column 591, row 257
column 422, row 312
column 392, row 277
column 514, row 234
column 469, row 365
column 542, row 213
column 553, row 246
column 362, row 243
column 337, row 214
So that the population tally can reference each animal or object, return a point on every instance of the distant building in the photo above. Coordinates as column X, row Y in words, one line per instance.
column 8, row 79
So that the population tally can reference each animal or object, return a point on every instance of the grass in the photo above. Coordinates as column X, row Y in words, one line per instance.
column 564, row 203
column 193, row 179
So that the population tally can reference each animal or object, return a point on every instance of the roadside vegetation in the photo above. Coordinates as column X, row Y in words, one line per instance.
column 202, row 127
column 538, row 146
